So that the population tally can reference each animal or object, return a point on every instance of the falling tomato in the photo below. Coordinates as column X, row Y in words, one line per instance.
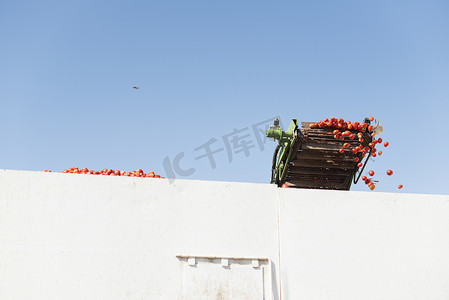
column 389, row 172
column 400, row 186
column 371, row 173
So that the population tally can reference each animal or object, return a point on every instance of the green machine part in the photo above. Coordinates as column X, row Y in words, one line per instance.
column 285, row 150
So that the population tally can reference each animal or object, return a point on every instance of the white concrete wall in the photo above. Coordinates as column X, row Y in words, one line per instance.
column 68, row 236
column 364, row 245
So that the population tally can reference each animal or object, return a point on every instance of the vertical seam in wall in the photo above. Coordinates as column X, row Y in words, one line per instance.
column 279, row 241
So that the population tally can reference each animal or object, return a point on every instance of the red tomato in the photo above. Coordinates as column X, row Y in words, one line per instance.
column 356, row 159
column 341, row 150
column 371, row 173
column 345, row 145
column 372, row 187
column 380, row 152
column 386, row 144
column 371, row 118
column 359, row 165
column 400, row 186
column 285, row 186
column 379, row 140
column 389, row 172
column 364, row 178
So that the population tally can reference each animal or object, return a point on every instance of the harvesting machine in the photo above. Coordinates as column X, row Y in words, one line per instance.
column 311, row 157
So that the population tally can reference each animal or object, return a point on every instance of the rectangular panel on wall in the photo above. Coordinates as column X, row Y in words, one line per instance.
column 223, row 278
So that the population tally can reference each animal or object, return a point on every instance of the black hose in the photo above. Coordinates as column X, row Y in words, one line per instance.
column 273, row 165
column 363, row 168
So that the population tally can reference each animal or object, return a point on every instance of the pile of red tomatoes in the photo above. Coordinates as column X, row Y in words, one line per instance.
column 341, row 124
column 111, row 172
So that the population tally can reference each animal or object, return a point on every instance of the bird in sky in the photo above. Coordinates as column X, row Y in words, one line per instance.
column 136, row 87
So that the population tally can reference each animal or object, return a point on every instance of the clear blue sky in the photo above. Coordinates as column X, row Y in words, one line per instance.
column 205, row 68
